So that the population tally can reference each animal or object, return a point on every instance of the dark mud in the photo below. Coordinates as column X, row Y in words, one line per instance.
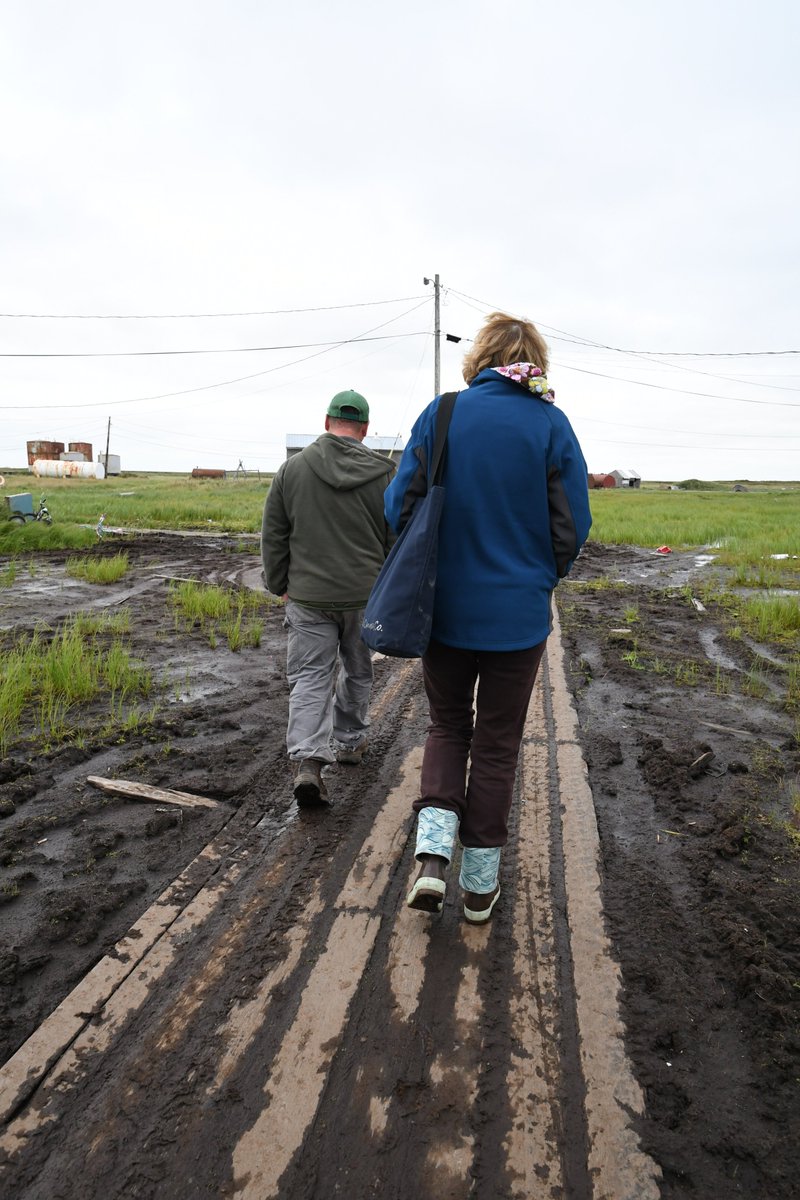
column 693, row 782
column 77, row 866
column 692, row 779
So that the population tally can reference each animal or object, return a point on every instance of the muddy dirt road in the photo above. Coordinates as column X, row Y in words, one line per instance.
column 235, row 1001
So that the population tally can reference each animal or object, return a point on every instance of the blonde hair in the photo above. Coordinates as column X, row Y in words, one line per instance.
column 504, row 340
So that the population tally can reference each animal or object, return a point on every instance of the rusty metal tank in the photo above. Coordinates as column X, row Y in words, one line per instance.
column 207, row 473
column 84, row 448
column 44, row 450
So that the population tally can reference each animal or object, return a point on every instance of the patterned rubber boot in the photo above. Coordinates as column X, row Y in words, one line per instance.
column 479, row 870
column 436, row 835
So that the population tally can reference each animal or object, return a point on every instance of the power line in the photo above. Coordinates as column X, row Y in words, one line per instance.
column 691, row 432
column 230, row 350
column 590, row 345
column 619, row 350
column 223, row 382
column 662, row 387
column 704, row 447
column 270, row 312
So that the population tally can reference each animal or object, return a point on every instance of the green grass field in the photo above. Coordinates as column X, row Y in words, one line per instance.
column 745, row 528
column 760, row 522
column 150, row 501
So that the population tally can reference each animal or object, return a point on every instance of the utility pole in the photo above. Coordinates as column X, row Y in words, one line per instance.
column 437, row 332
column 108, row 439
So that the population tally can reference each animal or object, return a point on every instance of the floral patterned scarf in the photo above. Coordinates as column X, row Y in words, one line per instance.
column 532, row 378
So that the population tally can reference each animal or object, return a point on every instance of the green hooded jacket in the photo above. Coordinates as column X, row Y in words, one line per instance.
column 324, row 536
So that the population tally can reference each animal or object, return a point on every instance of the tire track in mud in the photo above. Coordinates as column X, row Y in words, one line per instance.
column 299, row 1008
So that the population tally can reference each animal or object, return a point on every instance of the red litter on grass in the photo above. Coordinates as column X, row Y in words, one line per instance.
column 663, row 550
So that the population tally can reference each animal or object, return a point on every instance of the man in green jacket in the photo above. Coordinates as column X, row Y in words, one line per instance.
column 323, row 541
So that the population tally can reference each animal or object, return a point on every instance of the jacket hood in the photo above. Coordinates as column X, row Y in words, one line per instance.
column 527, row 375
column 344, row 463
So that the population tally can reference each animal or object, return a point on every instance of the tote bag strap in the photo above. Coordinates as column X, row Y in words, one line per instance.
column 443, row 414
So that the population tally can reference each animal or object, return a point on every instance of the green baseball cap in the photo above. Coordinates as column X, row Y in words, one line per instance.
column 349, row 406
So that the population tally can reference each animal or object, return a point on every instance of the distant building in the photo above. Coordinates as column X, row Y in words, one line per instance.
column 111, row 462
column 389, row 447
column 630, row 479
column 602, row 481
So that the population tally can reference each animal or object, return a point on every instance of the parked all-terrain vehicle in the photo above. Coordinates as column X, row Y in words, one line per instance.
column 20, row 509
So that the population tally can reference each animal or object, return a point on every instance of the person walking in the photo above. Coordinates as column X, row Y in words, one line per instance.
column 324, row 538
column 516, row 512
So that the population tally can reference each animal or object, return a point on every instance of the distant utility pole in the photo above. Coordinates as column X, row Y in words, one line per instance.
column 108, row 439
column 436, row 333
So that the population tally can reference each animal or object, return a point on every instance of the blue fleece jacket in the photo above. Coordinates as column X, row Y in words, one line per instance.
column 516, row 512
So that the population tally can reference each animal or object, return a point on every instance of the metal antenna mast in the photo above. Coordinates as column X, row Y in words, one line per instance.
column 437, row 331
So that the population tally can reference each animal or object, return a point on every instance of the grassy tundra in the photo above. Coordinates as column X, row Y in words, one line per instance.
column 744, row 528
column 47, row 680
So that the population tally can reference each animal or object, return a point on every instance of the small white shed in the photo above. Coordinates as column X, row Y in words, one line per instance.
column 390, row 447
column 630, row 479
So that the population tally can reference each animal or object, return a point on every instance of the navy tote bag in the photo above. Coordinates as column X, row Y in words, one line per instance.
column 399, row 613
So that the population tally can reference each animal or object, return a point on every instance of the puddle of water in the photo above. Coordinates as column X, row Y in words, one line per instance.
column 708, row 640
column 763, row 652
column 702, row 560
column 198, row 691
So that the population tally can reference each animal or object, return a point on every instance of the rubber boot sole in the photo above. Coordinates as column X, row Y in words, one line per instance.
column 478, row 916
column 309, row 795
column 427, row 895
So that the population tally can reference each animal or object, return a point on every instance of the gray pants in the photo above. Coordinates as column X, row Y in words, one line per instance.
column 317, row 639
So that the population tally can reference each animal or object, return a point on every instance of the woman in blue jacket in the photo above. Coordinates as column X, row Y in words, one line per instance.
column 516, row 513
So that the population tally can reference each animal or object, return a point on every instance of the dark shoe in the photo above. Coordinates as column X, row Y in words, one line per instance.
column 352, row 755
column 478, row 906
column 309, row 786
column 427, row 894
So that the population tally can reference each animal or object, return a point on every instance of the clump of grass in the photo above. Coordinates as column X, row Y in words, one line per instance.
column 772, row 617
column 199, row 602
column 763, row 575
column 98, row 570
column 687, row 673
column 49, row 677
column 631, row 614
column 792, row 825
column 755, row 683
column 8, row 574
column 90, row 624
column 722, row 684
column 793, row 686
column 35, row 535
column 631, row 657
column 221, row 613
column 233, row 631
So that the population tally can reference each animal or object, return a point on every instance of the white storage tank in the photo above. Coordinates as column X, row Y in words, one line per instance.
column 112, row 466
column 48, row 468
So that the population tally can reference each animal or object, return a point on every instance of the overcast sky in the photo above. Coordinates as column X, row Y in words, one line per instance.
column 625, row 174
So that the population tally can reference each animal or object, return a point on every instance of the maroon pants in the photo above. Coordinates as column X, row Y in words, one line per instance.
column 489, row 736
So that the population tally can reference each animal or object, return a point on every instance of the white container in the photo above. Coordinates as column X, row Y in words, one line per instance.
column 112, row 467
column 49, row 468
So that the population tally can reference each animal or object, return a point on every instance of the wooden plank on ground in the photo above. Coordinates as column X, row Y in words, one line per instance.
column 143, row 791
